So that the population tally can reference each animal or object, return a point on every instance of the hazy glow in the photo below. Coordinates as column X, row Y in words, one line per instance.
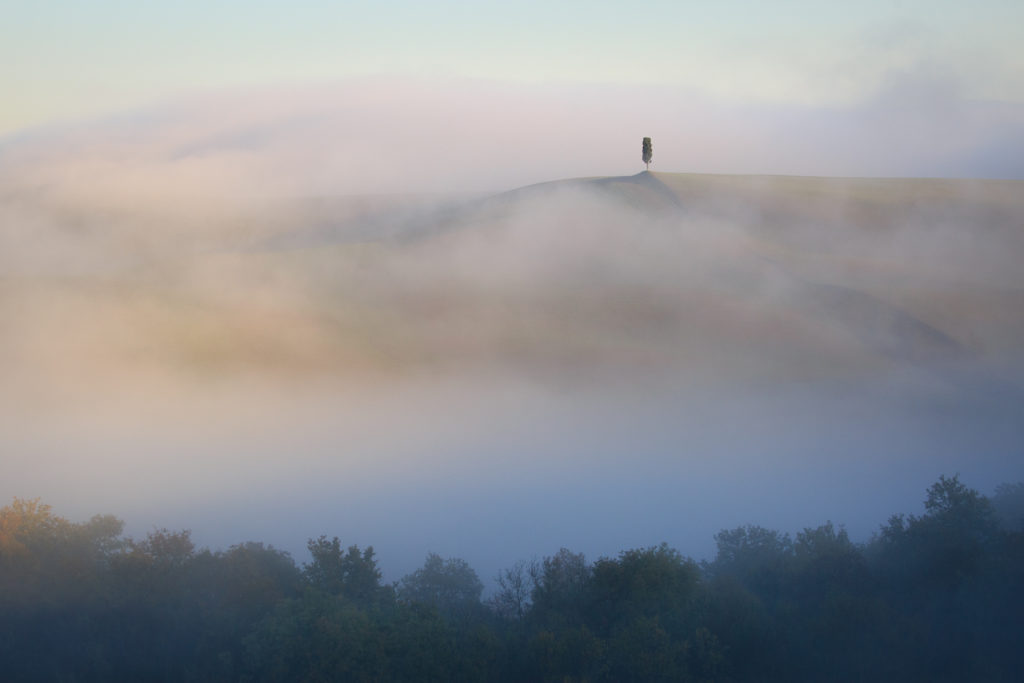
column 267, row 291
column 207, row 323
column 401, row 135
column 71, row 59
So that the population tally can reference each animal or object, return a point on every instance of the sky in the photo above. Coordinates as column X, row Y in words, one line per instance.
column 67, row 60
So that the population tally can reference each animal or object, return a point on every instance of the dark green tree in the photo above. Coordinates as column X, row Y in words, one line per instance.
column 757, row 556
column 1008, row 504
column 642, row 603
column 350, row 573
column 648, row 153
column 449, row 585
column 648, row 582
column 559, row 585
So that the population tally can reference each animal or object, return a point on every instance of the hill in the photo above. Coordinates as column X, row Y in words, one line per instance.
column 712, row 278
column 772, row 275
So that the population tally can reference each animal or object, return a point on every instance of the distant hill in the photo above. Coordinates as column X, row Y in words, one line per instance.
column 703, row 277
column 721, row 274
column 772, row 202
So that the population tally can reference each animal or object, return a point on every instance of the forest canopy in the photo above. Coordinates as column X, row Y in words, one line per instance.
column 928, row 598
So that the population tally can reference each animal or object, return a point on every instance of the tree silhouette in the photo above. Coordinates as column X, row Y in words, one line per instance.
column 350, row 573
column 932, row 597
column 450, row 585
column 648, row 153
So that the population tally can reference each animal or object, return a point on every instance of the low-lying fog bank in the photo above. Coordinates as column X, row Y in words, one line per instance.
column 600, row 363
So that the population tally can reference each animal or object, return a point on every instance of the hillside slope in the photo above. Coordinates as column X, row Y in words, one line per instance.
column 716, row 274
column 682, row 277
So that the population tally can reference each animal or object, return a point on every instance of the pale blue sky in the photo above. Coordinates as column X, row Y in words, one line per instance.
column 64, row 60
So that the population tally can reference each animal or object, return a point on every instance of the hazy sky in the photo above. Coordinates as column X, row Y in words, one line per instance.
column 63, row 60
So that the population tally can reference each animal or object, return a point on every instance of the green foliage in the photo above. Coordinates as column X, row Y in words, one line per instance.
column 643, row 583
column 350, row 573
column 647, row 152
column 944, row 546
column 642, row 650
column 757, row 556
column 935, row 597
column 948, row 497
column 315, row 638
column 164, row 549
column 560, row 584
column 1008, row 506
column 824, row 541
column 449, row 585
column 565, row 654
column 751, row 544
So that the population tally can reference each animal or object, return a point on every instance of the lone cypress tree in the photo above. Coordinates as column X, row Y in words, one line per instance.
column 648, row 153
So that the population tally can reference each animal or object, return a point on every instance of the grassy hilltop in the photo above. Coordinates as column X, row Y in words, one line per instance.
column 709, row 275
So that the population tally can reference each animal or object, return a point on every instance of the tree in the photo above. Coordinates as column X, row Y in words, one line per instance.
column 39, row 550
column 753, row 554
column 644, row 582
column 948, row 496
column 515, row 586
column 648, row 153
column 352, row 574
column 1008, row 505
column 164, row 548
column 28, row 524
column 560, row 584
column 450, row 585
column 824, row 542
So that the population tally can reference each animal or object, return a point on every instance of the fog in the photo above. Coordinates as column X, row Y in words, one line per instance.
column 274, row 315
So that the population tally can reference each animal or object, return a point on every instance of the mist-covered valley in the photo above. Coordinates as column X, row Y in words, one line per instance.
column 596, row 363
column 524, row 341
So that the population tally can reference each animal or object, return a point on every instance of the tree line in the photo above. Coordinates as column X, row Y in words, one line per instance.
column 935, row 597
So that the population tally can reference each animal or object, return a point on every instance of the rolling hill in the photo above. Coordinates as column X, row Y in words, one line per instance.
column 775, row 274
column 701, row 278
